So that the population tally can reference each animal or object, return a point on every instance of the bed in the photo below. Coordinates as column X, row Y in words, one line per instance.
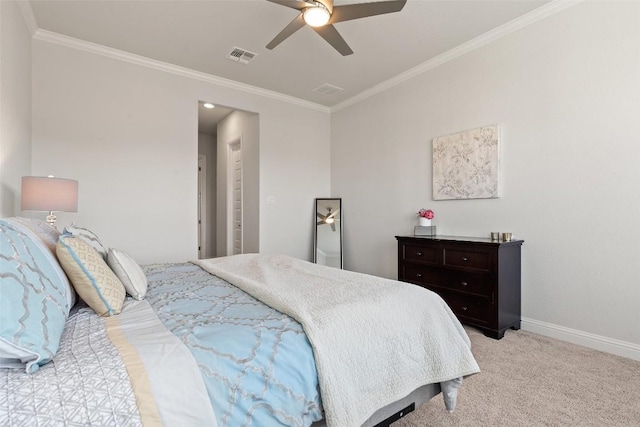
column 89, row 337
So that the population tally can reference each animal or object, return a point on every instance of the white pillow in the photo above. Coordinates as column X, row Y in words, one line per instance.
column 129, row 273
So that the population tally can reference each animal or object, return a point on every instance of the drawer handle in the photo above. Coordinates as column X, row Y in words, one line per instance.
column 464, row 283
column 419, row 275
column 465, row 308
column 419, row 253
column 465, row 259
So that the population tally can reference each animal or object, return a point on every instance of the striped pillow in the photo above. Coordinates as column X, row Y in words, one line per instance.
column 89, row 237
column 90, row 275
column 34, row 299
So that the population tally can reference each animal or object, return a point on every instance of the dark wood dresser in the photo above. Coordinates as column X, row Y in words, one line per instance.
column 478, row 278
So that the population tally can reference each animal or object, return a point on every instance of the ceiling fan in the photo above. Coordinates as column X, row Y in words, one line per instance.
column 329, row 218
column 320, row 15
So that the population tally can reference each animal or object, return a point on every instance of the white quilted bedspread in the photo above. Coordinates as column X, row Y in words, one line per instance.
column 375, row 340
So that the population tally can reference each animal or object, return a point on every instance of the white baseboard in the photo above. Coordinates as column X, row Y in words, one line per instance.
column 597, row 342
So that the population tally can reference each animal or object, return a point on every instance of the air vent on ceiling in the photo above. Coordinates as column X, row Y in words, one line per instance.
column 241, row 55
column 327, row 89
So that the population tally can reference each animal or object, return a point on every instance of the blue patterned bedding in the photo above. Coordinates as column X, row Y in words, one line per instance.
column 256, row 362
column 197, row 351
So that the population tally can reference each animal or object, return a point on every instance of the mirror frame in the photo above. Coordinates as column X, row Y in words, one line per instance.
column 321, row 203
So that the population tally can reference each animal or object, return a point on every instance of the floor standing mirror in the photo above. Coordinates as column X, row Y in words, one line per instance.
column 327, row 236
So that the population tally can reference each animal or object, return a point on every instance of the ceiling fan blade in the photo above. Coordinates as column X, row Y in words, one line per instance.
column 319, row 215
column 362, row 10
column 333, row 37
column 293, row 26
column 293, row 4
column 333, row 226
column 333, row 213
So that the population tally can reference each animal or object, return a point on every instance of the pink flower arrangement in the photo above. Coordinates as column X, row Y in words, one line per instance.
column 426, row 213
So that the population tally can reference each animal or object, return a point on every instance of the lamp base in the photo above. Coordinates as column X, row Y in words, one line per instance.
column 51, row 219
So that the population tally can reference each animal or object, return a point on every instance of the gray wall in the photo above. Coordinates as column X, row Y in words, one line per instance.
column 128, row 133
column 566, row 95
column 15, row 106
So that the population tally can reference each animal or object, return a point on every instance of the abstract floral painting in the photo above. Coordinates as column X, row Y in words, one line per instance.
column 465, row 164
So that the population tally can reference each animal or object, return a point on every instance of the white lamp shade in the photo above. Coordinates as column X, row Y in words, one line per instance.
column 49, row 194
column 316, row 16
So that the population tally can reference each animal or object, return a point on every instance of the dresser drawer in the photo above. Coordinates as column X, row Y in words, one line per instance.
column 467, row 283
column 428, row 255
column 479, row 278
column 468, row 260
column 470, row 309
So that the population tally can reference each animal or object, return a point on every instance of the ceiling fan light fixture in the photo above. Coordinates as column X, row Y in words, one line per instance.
column 316, row 16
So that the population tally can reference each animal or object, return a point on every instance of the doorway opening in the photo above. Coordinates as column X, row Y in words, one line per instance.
column 228, row 181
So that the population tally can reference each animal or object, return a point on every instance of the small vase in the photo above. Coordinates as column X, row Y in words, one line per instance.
column 424, row 222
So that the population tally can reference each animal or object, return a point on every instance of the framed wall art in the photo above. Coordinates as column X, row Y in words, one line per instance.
column 466, row 164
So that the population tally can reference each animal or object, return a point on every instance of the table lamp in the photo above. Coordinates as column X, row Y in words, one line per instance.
column 49, row 194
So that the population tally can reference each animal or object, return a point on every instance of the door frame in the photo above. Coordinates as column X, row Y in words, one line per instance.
column 231, row 146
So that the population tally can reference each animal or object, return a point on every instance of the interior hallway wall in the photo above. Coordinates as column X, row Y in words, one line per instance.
column 207, row 145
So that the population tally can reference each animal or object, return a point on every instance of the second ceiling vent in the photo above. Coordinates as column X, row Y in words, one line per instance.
column 241, row 55
column 327, row 89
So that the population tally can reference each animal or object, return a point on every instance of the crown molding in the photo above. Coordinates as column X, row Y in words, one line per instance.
column 131, row 58
column 523, row 21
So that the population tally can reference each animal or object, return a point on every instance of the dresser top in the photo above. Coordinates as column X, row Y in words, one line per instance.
column 462, row 239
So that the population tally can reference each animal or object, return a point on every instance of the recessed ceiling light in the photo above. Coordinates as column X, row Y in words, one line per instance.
column 208, row 105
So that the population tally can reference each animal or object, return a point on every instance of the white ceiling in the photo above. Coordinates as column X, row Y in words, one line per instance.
column 200, row 34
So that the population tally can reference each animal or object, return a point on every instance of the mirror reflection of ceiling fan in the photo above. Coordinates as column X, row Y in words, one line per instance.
column 329, row 218
column 320, row 15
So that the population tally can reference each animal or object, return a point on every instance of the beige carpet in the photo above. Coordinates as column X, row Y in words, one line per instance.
column 531, row 380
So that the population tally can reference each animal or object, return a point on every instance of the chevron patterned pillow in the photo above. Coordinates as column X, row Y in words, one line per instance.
column 90, row 275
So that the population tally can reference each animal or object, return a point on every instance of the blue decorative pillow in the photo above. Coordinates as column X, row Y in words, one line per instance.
column 34, row 299
column 38, row 229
